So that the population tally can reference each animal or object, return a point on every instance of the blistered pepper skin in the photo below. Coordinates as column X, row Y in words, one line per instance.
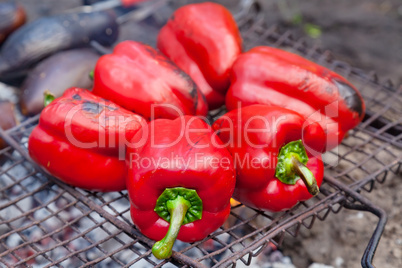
column 154, row 168
column 266, row 75
column 204, row 41
column 255, row 135
column 140, row 79
column 79, row 139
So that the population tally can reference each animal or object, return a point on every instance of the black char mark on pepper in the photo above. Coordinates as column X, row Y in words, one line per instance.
column 349, row 94
column 76, row 97
column 110, row 108
column 92, row 107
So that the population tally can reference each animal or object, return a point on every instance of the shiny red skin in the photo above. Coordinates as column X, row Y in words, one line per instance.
column 204, row 41
column 214, row 184
column 136, row 76
column 266, row 75
column 69, row 143
column 256, row 184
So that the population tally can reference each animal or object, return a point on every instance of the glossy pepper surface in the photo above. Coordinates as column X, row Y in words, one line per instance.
column 204, row 41
column 80, row 138
column 144, row 81
column 266, row 75
column 273, row 148
column 181, row 176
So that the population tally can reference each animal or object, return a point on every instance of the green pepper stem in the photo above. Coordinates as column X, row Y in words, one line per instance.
column 91, row 75
column 306, row 175
column 48, row 97
column 177, row 209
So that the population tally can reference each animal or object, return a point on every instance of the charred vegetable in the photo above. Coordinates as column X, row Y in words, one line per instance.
column 57, row 73
column 80, row 130
column 12, row 16
column 48, row 35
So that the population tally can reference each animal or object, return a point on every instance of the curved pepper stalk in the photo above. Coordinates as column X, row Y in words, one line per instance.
column 91, row 75
column 292, row 159
column 178, row 206
column 48, row 97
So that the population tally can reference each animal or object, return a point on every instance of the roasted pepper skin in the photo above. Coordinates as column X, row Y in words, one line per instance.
column 256, row 153
column 266, row 75
column 136, row 76
column 204, row 41
column 214, row 184
column 78, row 139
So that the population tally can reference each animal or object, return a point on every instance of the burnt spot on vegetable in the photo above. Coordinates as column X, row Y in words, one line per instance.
column 92, row 107
column 193, row 91
column 76, row 97
column 183, row 74
column 329, row 90
column 194, row 95
column 110, row 108
column 350, row 96
column 151, row 51
column 203, row 97
column 305, row 84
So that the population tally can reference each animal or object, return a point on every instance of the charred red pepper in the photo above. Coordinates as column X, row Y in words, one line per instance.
column 266, row 75
column 136, row 76
column 276, row 154
column 204, row 41
column 180, row 181
column 79, row 139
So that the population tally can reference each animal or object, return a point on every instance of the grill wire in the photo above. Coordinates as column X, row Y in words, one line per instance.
column 47, row 223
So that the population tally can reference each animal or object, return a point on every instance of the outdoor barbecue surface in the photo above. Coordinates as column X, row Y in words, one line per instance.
column 366, row 34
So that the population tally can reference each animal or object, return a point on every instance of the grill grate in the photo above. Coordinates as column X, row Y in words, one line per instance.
column 48, row 223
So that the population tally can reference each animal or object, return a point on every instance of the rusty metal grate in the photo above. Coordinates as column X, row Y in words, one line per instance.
column 48, row 223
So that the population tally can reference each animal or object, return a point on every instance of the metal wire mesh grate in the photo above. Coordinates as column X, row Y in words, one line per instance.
column 47, row 223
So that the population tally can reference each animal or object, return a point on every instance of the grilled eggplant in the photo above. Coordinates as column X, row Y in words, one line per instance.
column 57, row 73
column 48, row 35
column 12, row 16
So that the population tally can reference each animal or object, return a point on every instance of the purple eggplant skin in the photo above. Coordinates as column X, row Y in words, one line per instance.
column 57, row 73
column 48, row 35
column 12, row 16
column 7, row 118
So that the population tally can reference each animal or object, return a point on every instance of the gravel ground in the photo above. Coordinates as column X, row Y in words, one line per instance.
column 368, row 35
column 341, row 239
column 364, row 33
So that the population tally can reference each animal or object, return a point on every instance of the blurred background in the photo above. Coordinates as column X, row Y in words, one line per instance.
column 366, row 33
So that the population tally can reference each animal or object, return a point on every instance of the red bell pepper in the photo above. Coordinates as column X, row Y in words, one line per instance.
column 204, row 41
column 266, row 75
column 180, row 181
column 272, row 148
column 79, row 139
column 136, row 76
